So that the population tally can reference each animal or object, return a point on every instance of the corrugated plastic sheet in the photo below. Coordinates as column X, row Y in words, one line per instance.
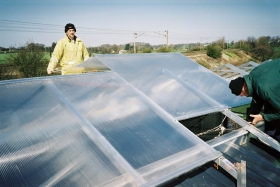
column 91, row 130
column 177, row 84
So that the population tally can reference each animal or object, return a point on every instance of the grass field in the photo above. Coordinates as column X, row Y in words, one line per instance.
column 3, row 57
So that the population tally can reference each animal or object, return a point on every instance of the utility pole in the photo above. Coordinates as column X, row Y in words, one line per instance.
column 200, row 44
column 223, row 42
column 166, row 38
column 134, row 37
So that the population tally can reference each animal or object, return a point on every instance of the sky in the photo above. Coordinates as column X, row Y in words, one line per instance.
column 119, row 22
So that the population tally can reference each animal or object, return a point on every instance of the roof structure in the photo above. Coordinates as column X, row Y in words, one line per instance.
column 177, row 84
column 229, row 71
column 120, row 127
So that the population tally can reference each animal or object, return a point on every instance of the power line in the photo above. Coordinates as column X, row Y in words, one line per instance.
column 91, row 28
column 41, row 28
column 82, row 28
column 33, row 27
column 42, row 31
column 23, row 22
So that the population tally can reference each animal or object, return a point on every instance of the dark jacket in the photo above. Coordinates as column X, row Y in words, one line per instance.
column 264, row 87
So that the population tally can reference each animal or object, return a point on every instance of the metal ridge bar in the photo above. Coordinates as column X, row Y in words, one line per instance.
column 251, row 128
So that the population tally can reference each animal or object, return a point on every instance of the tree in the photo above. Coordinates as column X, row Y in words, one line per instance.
column 52, row 48
column 131, row 49
column 275, row 41
column 29, row 60
column 163, row 49
column 246, row 47
column 262, row 53
column 114, row 49
column 262, row 49
column 104, row 49
column 53, row 45
column 147, row 50
column 263, row 41
column 214, row 51
column 252, row 41
column 127, row 47
column 276, row 53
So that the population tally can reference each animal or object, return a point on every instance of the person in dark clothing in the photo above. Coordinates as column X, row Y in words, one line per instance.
column 263, row 85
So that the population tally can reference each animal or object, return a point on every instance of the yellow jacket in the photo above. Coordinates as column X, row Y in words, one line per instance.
column 68, row 53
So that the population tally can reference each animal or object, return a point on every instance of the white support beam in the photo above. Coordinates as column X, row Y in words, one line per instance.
column 252, row 129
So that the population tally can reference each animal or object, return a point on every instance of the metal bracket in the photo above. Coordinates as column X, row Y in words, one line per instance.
column 237, row 170
column 226, row 165
column 241, row 174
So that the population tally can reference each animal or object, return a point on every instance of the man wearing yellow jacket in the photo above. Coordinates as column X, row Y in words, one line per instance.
column 69, row 52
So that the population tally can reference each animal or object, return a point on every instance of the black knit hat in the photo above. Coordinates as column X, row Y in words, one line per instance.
column 69, row 26
column 236, row 85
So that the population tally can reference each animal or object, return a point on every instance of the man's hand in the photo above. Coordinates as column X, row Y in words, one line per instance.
column 49, row 71
column 257, row 118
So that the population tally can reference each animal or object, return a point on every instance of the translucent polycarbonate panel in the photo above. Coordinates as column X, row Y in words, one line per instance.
column 90, row 130
column 92, row 65
column 163, row 86
column 88, row 66
column 128, row 121
column 43, row 142
column 145, row 72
